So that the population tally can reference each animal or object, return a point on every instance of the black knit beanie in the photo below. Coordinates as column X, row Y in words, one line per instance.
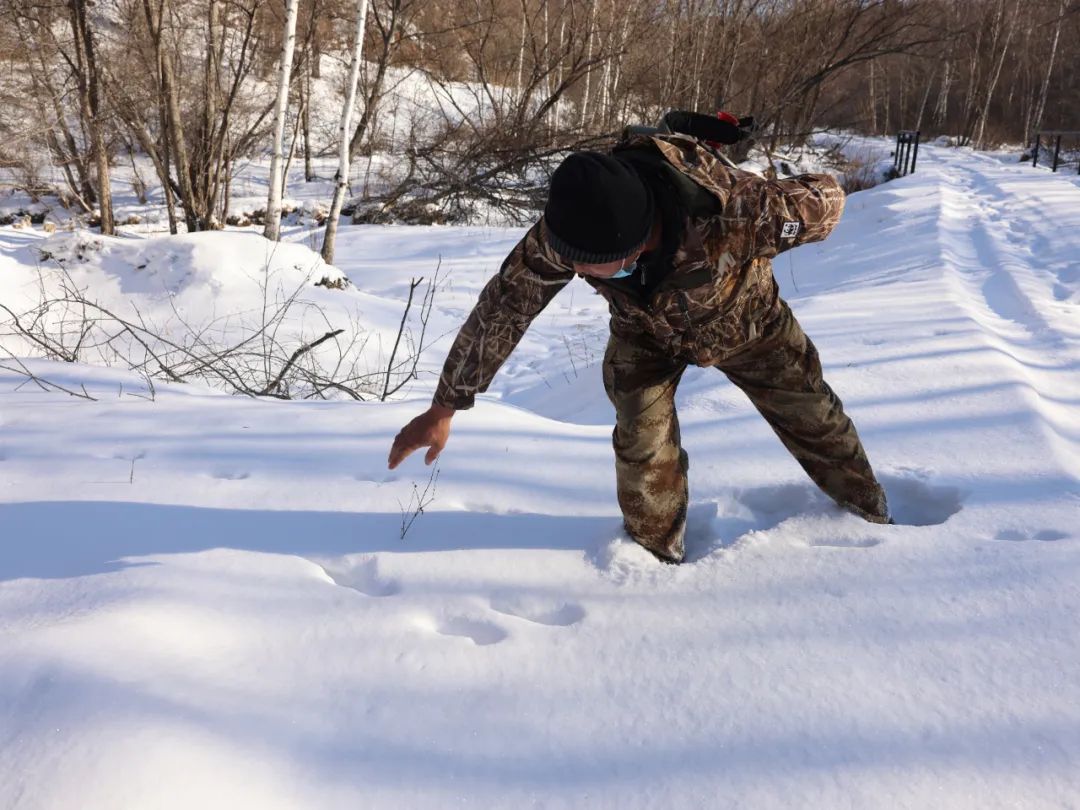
column 598, row 209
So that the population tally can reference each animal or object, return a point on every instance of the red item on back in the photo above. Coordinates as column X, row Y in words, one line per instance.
column 728, row 118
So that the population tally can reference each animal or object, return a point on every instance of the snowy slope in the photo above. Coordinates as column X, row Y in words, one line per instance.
column 205, row 601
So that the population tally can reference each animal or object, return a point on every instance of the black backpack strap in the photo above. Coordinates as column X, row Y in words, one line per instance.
column 698, row 201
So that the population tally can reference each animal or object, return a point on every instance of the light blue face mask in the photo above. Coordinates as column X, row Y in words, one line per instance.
column 626, row 272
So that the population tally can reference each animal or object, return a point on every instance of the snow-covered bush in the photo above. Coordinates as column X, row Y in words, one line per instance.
column 232, row 310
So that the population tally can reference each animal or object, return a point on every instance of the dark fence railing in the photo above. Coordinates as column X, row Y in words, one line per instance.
column 907, row 152
column 1055, row 136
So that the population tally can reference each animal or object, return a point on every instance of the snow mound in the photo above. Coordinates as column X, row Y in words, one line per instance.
column 222, row 262
column 165, row 305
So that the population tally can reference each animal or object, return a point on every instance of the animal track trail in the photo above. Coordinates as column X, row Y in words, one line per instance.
column 845, row 542
column 538, row 611
column 483, row 633
column 1023, row 535
column 231, row 475
column 363, row 576
column 480, row 632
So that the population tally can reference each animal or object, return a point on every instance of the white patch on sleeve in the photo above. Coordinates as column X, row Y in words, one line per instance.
column 790, row 231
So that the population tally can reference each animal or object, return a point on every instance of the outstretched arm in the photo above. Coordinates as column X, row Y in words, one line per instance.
column 529, row 278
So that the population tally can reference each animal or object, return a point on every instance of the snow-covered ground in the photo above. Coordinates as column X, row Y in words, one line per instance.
column 205, row 600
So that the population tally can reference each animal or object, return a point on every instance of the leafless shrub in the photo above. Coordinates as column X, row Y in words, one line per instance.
column 414, row 349
column 858, row 169
column 460, row 174
column 859, row 176
column 250, row 353
column 16, row 366
column 419, row 500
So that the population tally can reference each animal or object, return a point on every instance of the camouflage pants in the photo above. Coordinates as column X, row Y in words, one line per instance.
column 781, row 374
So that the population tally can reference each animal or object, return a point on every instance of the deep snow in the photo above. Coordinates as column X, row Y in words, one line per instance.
column 205, row 600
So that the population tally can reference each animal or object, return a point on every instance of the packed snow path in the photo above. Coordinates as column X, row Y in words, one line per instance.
column 205, row 601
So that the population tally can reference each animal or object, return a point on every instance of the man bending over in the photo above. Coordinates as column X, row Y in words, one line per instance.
column 680, row 246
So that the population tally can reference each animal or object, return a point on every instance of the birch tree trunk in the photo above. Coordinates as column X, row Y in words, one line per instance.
column 292, row 146
column 273, row 200
column 941, row 111
column 925, row 100
column 557, row 106
column 342, row 177
column 699, row 68
column 309, row 172
column 616, row 77
column 667, row 91
column 588, row 58
column 729, row 55
column 886, row 114
column 226, row 198
column 521, row 53
column 605, row 77
column 873, row 99
column 547, row 56
column 215, row 119
column 902, row 105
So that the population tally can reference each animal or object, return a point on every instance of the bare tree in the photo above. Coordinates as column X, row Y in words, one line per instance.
column 342, row 177
column 273, row 201
column 1044, row 89
column 1003, row 28
column 86, row 73
column 389, row 17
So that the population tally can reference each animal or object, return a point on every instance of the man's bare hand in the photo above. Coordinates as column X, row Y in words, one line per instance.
column 431, row 429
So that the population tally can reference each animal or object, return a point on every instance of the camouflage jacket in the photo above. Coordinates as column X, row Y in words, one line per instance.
column 714, row 296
